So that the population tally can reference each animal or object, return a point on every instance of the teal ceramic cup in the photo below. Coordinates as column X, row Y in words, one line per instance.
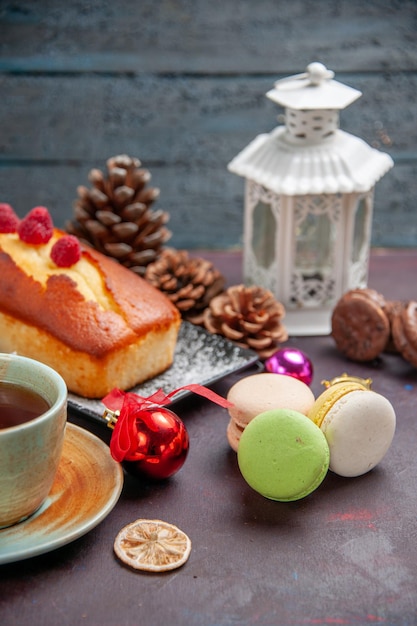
column 30, row 452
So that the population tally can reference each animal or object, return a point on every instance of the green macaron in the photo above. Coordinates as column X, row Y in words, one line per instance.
column 283, row 455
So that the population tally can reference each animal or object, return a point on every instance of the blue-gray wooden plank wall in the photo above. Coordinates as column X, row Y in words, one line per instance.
column 181, row 85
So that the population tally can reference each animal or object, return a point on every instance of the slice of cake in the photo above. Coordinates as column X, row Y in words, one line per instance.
column 94, row 321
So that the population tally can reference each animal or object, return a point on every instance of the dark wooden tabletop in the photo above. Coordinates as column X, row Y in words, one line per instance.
column 347, row 554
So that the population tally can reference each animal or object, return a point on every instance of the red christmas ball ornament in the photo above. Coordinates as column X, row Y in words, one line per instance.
column 162, row 444
column 292, row 362
column 149, row 439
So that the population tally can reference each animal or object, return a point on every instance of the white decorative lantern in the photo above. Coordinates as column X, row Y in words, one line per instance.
column 309, row 201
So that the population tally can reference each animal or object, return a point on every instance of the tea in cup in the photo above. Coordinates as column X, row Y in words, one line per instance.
column 33, row 413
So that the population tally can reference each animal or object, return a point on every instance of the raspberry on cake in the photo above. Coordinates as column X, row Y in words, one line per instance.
column 66, row 251
column 36, row 227
column 8, row 219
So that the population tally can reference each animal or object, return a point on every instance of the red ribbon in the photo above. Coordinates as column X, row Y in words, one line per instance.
column 131, row 404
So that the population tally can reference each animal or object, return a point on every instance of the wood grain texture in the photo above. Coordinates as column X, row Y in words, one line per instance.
column 181, row 85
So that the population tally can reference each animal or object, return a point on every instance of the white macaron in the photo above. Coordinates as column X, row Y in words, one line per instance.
column 359, row 425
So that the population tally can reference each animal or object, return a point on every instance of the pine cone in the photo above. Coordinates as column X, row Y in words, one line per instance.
column 114, row 215
column 249, row 316
column 190, row 283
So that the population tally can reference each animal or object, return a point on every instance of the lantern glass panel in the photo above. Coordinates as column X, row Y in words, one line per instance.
column 315, row 240
column 360, row 238
column 264, row 234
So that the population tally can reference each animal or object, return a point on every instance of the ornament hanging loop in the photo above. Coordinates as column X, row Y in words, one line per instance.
column 111, row 417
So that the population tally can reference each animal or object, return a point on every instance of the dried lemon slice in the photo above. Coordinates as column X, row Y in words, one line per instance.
column 152, row 545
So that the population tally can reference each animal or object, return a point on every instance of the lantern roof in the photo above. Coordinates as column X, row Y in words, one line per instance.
column 311, row 155
column 313, row 90
column 343, row 164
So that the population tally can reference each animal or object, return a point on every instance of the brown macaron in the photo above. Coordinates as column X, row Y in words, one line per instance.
column 360, row 325
column 257, row 393
column 404, row 332
column 393, row 309
column 234, row 433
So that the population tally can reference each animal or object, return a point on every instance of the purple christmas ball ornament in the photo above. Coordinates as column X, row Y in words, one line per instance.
column 291, row 362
